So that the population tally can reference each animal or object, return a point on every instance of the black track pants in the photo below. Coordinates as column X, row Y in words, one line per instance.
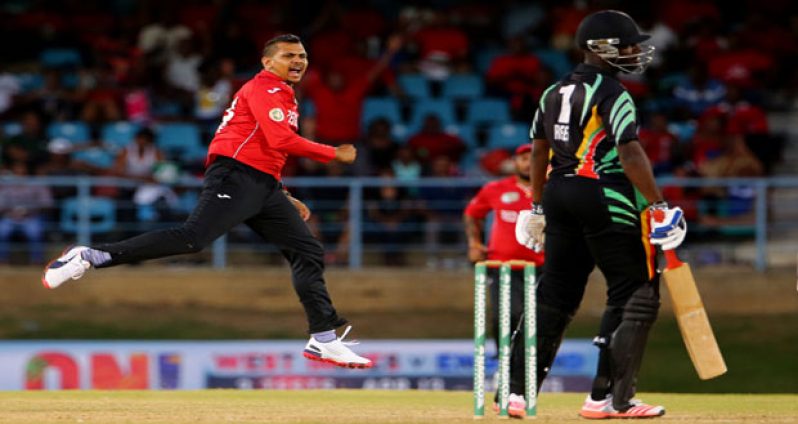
column 235, row 193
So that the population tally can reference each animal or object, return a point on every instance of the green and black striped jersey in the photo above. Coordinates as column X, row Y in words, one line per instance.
column 584, row 117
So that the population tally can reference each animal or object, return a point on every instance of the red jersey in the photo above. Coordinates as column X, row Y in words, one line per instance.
column 259, row 128
column 505, row 198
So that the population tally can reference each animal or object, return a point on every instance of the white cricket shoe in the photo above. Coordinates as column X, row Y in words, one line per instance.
column 336, row 352
column 69, row 266
column 602, row 409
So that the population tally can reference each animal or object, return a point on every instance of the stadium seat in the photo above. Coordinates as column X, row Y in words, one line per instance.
column 58, row 58
column 488, row 111
column 30, row 82
column 380, row 107
column 402, row 132
column 508, row 136
column 485, row 57
column 178, row 138
column 468, row 86
column 117, row 135
column 102, row 214
column 444, row 109
column 98, row 157
column 11, row 129
column 555, row 60
column 76, row 132
column 414, row 85
column 465, row 132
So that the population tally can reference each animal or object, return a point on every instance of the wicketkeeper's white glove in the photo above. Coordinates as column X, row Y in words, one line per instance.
column 668, row 227
column 529, row 228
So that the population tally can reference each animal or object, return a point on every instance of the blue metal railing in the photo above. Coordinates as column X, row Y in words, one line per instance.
column 356, row 202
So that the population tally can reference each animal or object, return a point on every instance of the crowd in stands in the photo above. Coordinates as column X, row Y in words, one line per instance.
column 445, row 88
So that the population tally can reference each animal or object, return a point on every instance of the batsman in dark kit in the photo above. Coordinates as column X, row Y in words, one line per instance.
column 596, row 210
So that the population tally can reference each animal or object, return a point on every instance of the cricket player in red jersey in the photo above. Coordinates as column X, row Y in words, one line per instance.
column 242, row 185
column 505, row 198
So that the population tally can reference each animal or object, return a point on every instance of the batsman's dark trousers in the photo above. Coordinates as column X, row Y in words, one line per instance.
column 235, row 193
column 589, row 223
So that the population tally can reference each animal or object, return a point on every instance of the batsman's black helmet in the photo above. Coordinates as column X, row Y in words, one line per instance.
column 606, row 31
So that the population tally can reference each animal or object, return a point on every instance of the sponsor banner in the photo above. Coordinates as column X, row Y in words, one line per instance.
column 400, row 364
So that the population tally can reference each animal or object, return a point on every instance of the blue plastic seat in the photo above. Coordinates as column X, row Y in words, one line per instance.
column 117, row 135
column 11, row 129
column 76, row 132
column 102, row 214
column 57, row 58
column 507, row 136
column 485, row 57
column 465, row 132
column 443, row 108
column 414, row 85
column 463, row 87
column 380, row 107
column 30, row 82
column 488, row 111
column 178, row 138
column 555, row 60
column 100, row 158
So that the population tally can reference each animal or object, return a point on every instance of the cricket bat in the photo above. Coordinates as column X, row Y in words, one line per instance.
column 692, row 318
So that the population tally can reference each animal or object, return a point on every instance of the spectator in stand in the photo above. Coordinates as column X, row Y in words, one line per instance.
column 60, row 164
column 137, row 160
column 699, row 91
column 707, row 143
column 706, row 40
column 741, row 64
column 379, row 149
column 29, row 146
column 213, row 95
column 517, row 75
column 748, row 120
column 432, row 142
column 388, row 209
column 55, row 102
column 101, row 97
column 441, row 46
column 339, row 102
column 442, row 207
column 182, row 72
column 733, row 205
column 660, row 145
column 10, row 88
column 22, row 208
column 735, row 160
column 406, row 166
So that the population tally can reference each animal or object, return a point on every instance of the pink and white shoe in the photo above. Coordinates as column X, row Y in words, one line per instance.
column 336, row 352
column 516, row 406
column 602, row 409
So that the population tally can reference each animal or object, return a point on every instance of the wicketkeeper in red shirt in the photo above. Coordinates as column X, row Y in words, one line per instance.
column 242, row 185
column 505, row 198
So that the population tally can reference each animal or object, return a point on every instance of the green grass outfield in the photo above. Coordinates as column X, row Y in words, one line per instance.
column 352, row 406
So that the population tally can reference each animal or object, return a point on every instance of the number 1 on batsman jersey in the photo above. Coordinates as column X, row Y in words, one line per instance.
column 584, row 117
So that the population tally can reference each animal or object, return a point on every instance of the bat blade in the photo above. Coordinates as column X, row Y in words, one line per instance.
column 693, row 322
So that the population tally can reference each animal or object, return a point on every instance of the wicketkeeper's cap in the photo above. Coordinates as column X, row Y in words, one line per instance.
column 526, row 147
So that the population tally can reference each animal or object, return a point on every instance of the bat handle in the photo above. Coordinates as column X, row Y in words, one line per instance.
column 672, row 260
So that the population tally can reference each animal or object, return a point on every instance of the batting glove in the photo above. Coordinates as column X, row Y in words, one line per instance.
column 668, row 227
column 529, row 228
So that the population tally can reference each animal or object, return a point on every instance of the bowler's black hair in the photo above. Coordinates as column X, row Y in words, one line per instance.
column 268, row 48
